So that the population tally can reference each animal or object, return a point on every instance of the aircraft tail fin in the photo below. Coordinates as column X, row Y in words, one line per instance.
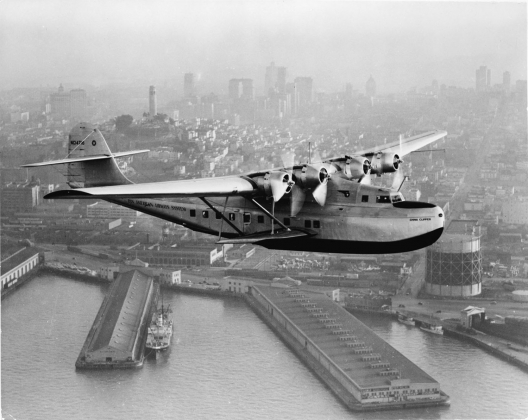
column 90, row 163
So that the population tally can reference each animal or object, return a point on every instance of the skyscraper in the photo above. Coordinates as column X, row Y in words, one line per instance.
column 235, row 89
column 248, row 91
column 370, row 87
column 241, row 89
column 188, row 85
column 270, row 79
column 282, row 75
column 304, row 88
column 153, row 107
column 483, row 79
column 60, row 103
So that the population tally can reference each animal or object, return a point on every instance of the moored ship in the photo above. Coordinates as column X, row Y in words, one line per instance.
column 407, row 320
column 160, row 330
column 432, row 328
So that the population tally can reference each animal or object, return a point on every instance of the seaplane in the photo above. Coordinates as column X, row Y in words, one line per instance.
column 328, row 206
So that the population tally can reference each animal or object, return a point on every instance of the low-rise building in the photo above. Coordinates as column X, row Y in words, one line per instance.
column 17, row 265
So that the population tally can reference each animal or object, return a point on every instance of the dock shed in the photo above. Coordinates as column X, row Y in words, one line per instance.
column 117, row 337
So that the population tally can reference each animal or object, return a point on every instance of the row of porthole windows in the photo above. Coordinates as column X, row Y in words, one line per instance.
column 316, row 224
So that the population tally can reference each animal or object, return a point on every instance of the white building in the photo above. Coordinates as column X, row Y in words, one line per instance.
column 236, row 285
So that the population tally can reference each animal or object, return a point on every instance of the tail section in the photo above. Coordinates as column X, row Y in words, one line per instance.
column 85, row 141
column 90, row 163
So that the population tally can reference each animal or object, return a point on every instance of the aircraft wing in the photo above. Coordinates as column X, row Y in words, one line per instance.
column 203, row 187
column 408, row 145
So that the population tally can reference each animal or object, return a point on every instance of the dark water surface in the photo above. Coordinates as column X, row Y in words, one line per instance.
column 224, row 363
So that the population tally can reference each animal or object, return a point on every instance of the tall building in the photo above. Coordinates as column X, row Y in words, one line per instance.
column 483, row 79
column 188, row 85
column 370, row 87
column 60, row 103
column 153, row 107
column 241, row 89
column 248, row 91
column 282, row 75
column 506, row 81
column 19, row 197
column 235, row 89
column 270, row 79
column 304, row 88
column 78, row 103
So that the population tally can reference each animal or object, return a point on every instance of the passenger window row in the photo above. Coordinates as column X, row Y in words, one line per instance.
column 260, row 218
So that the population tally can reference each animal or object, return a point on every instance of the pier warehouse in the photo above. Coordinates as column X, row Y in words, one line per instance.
column 364, row 371
column 118, row 334
column 17, row 265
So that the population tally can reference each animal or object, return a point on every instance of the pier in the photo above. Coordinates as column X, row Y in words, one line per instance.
column 118, row 334
column 364, row 371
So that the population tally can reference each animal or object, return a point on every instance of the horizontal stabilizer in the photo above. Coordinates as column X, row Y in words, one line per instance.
column 257, row 237
column 82, row 159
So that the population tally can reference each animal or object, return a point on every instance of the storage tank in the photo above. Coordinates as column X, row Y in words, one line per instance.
column 454, row 266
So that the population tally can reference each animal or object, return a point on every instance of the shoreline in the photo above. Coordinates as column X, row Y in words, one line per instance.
column 450, row 331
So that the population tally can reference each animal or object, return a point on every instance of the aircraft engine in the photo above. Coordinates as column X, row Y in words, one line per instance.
column 356, row 168
column 385, row 162
column 310, row 176
column 313, row 178
column 275, row 184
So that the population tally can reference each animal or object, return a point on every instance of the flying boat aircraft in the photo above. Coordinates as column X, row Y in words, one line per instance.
column 327, row 206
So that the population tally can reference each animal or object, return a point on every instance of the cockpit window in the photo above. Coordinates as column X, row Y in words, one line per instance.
column 383, row 199
column 396, row 197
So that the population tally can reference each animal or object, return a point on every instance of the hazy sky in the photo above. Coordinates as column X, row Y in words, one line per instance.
column 45, row 42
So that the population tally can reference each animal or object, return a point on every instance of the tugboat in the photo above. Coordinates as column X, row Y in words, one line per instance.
column 160, row 331
column 432, row 328
column 405, row 319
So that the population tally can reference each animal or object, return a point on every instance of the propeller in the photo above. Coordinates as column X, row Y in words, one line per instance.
column 398, row 178
column 366, row 180
column 297, row 194
column 280, row 183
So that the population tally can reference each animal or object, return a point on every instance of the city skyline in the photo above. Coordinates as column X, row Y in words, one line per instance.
column 400, row 44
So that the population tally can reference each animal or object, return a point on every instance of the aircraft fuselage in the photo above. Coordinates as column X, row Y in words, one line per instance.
column 355, row 219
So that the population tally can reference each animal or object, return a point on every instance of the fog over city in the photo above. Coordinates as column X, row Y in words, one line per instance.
column 401, row 44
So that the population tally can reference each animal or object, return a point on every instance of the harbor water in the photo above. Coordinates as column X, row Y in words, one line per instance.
column 224, row 363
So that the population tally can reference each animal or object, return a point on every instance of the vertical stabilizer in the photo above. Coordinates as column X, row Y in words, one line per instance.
column 84, row 141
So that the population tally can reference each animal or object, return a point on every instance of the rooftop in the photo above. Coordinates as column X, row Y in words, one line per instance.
column 17, row 258
column 122, row 314
column 353, row 364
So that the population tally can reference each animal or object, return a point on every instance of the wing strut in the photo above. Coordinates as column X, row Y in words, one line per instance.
column 270, row 215
column 222, row 216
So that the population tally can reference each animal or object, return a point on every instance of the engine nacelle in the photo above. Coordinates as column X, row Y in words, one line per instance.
column 384, row 163
column 310, row 176
column 274, row 184
column 356, row 168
